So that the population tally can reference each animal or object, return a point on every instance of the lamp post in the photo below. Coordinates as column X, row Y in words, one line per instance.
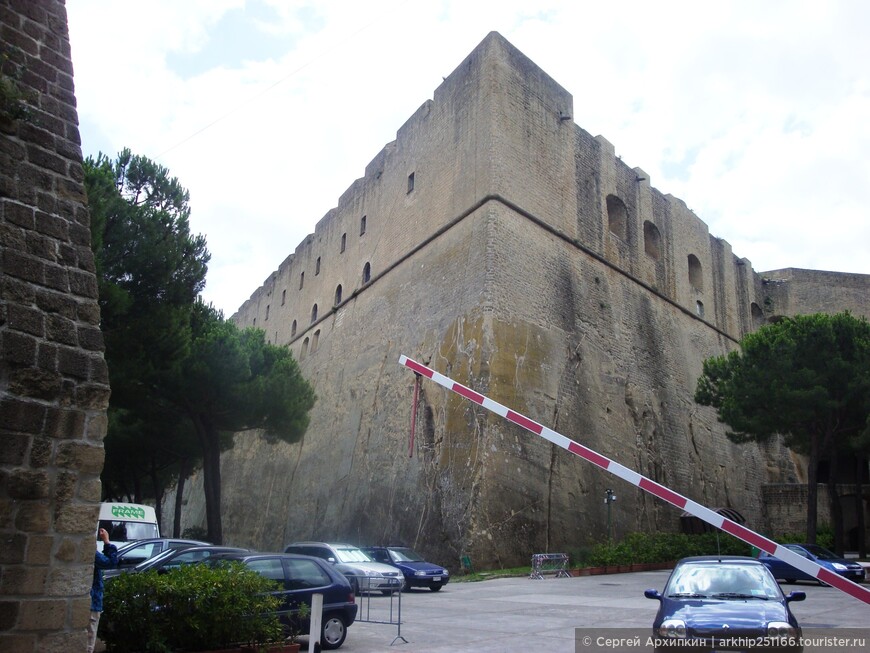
column 609, row 497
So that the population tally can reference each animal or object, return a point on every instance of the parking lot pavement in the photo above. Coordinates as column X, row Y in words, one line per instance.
column 508, row 615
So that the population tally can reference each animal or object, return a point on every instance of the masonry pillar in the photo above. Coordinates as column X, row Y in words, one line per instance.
column 54, row 386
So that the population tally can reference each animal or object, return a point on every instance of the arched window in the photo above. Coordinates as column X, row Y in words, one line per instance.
column 338, row 295
column 314, row 313
column 652, row 240
column 696, row 275
column 283, row 296
column 367, row 272
column 699, row 308
column 314, row 340
column 293, row 329
column 304, row 351
column 617, row 217
column 343, row 241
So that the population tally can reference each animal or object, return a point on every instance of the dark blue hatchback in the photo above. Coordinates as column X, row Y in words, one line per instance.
column 417, row 572
column 724, row 603
column 298, row 578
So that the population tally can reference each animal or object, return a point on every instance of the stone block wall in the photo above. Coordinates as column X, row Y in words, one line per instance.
column 54, row 385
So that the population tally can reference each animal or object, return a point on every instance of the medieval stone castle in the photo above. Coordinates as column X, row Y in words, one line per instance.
column 493, row 240
column 501, row 244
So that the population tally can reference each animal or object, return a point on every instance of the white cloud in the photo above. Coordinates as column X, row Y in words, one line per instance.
column 753, row 113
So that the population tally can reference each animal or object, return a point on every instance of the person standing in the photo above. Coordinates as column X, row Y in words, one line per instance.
column 105, row 560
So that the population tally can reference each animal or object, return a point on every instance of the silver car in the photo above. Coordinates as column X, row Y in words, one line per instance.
column 360, row 569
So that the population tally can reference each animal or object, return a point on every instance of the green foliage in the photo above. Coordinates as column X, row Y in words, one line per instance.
column 150, row 270
column 802, row 377
column 14, row 102
column 233, row 380
column 191, row 608
column 663, row 547
column 807, row 378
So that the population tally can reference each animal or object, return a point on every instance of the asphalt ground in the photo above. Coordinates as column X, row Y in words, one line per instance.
column 506, row 615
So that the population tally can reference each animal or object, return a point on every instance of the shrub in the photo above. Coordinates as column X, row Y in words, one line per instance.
column 193, row 607
column 664, row 547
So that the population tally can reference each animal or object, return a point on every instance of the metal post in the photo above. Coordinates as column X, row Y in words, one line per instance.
column 609, row 497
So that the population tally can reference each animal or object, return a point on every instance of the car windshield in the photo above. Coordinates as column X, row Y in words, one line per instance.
column 821, row 552
column 405, row 555
column 721, row 581
column 352, row 554
column 156, row 560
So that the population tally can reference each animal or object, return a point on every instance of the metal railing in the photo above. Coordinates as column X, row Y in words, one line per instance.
column 549, row 563
column 379, row 601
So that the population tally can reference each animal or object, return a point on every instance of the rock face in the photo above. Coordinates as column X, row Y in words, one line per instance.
column 499, row 243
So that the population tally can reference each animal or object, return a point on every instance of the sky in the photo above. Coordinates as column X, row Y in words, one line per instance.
column 756, row 114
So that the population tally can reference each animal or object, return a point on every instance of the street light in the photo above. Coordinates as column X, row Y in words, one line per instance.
column 609, row 497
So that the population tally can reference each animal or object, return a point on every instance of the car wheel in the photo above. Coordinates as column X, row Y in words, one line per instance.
column 333, row 632
column 435, row 588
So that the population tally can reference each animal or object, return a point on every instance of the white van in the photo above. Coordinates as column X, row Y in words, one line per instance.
column 126, row 522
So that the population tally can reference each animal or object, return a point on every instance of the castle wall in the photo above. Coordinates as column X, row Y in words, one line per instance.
column 54, row 386
column 527, row 261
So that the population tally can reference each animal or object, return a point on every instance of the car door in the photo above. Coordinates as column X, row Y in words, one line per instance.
column 272, row 567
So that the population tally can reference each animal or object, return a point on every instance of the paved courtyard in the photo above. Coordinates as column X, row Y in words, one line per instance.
column 518, row 614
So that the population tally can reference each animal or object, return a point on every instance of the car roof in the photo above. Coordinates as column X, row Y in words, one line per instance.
column 334, row 545
column 721, row 559
column 148, row 540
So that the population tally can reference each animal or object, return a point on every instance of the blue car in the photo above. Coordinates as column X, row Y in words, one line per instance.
column 818, row 554
column 417, row 572
column 724, row 603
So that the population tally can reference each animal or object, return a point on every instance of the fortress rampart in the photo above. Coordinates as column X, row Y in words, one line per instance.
column 500, row 243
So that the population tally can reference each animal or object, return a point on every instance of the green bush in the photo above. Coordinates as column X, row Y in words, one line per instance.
column 190, row 608
column 663, row 547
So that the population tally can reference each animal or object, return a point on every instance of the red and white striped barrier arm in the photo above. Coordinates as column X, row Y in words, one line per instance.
column 711, row 517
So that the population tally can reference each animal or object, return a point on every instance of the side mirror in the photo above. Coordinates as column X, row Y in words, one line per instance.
column 796, row 596
column 331, row 559
column 652, row 594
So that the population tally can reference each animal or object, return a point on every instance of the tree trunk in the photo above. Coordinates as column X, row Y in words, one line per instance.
column 211, row 482
column 836, row 504
column 184, row 470
column 860, row 466
column 158, row 495
column 813, row 489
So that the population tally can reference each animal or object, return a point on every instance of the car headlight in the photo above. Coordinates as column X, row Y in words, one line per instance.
column 838, row 566
column 781, row 629
column 419, row 573
column 444, row 572
column 369, row 572
column 673, row 628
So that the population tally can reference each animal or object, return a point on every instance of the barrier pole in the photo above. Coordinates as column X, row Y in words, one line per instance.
column 711, row 517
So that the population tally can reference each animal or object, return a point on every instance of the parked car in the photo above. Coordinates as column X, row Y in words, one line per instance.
column 299, row 577
column 818, row 554
column 417, row 572
column 132, row 553
column 171, row 558
column 725, row 602
column 360, row 569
